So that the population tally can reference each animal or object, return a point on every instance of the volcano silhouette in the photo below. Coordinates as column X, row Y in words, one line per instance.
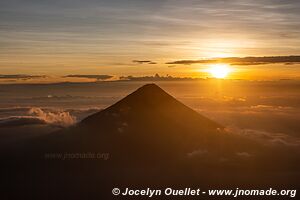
column 147, row 106
column 147, row 120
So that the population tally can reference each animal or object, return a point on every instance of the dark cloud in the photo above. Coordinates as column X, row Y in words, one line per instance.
column 14, row 110
column 20, row 121
column 20, row 76
column 98, row 77
column 243, row 60
column 144, row 62
column 156, row 77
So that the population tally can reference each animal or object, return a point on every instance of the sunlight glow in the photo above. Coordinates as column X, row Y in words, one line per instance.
column 219, row 70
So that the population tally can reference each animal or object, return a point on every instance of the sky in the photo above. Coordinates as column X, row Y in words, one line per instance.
column 55, row 38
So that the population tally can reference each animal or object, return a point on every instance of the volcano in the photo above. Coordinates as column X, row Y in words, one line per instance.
column 147, row 106
column 148, row 121
column 146, row 127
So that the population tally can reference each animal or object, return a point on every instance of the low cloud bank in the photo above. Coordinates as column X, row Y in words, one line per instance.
column 20, row 121
column 243, row 61
column 20, row 76
column 97, row 77
column 35, row 116
column 60, row 118
column 156, row 77
column 270, row 138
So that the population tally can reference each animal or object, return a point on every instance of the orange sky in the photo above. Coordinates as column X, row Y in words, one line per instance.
column 58, row 38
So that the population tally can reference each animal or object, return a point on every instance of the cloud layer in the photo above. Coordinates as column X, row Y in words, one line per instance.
column 58, row 118
column 144, row 62
column 243, row 61
column 35, row 116
column 20, row 76
column 156, row 77
column 93, row 76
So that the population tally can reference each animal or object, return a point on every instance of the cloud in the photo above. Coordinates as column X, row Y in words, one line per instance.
column 244, row 154
column 156, row 77
column 243, row 60
column 34, row 116
column 60, row 118
column 13, row 111
column 232, row 99
column 20, row 76
column 271, row 118
column 21, row 116
column 271, row 108
column 198, row 152
column 20, row 121
column 144, row 62
column 98, row 77
column 266, row 137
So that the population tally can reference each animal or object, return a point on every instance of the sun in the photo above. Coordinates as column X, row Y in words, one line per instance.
column 219, row 70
